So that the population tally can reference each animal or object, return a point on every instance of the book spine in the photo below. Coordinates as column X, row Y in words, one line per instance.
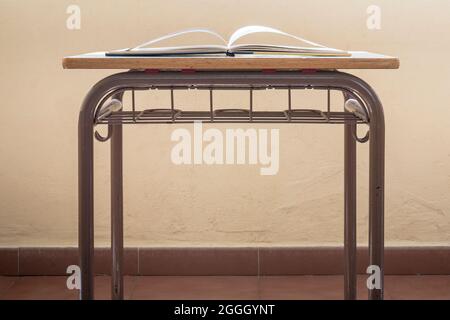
column 229, row 53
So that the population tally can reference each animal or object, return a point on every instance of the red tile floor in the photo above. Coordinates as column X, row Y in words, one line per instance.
column 227, row 287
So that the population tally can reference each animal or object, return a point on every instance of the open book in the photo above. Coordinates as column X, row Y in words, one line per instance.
column 229, row 47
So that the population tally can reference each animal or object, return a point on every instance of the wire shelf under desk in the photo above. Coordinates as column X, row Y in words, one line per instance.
column 227, row 116
column 112, row 111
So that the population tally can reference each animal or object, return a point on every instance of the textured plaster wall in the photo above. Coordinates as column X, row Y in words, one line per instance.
column 169, row 205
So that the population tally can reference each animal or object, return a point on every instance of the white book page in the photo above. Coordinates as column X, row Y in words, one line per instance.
column 179, row 33
column 258, row 29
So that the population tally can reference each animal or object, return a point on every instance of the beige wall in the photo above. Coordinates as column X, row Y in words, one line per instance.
column 233, row 205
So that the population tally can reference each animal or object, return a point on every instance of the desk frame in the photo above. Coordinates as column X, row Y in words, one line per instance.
column 117, row 84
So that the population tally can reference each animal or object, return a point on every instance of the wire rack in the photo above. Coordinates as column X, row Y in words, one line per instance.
column 113, row 113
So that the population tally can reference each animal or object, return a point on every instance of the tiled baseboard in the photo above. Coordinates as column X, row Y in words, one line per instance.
column 225, row 261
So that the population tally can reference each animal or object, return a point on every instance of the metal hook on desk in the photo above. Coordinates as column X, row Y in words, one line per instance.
column 101, row 138
column 109, row 108
column 105, row 111
column 353, row 106
column 363, row 139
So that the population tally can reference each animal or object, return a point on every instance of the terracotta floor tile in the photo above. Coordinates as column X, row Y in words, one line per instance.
column 34, row 288
column 196, row 287
column 54, row 288
column 331, row 287
column 103, row 287
column 418, row 287
column 227, row 287
column 5, row 284
column 301, row 287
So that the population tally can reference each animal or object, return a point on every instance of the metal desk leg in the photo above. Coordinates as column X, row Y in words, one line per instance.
column 86, row 185
column 350, row 211
column 376, row 173
column 116, row 213
column 86, row 201
column 376, row 180
column 376, row 200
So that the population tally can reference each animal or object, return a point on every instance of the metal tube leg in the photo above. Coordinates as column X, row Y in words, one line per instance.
column 86, row 204
column 117, row 209
column 350, row 211
column 116, row 213
column 376, row 205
